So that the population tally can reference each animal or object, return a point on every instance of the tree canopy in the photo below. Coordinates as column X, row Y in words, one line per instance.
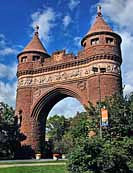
column 113, row 153
column 9, row 132
column 56, row 128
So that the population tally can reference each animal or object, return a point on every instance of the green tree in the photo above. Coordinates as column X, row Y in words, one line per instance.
column 56, row 128
column 113, row 153
column 9, row 132
column 77, row 125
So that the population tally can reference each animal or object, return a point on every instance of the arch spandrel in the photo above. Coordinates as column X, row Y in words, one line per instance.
column 58, row 93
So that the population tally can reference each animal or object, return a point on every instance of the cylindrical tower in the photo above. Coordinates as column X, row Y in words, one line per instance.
column 31, row 58
column 102, row 45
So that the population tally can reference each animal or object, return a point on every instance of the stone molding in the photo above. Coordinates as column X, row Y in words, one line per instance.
column 66, row 75
column 69, row 64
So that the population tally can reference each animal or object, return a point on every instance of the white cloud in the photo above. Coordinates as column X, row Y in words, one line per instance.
column 4, row 47
column 8, row 84
column 128, row 89
column 77, row 41
column 120, row 13
column 8, row 93
column 8, row 51
column 2, row 36
column 8, row 72
column 71, row 105
column 73, row 4
column 127, row 51
column 45, row 19
column 2, row 40
column 66, row 20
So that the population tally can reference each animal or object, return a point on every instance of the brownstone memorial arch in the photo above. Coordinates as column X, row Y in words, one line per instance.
column 44, row 80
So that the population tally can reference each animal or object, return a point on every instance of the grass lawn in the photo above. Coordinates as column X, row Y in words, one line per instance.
column 36, row 169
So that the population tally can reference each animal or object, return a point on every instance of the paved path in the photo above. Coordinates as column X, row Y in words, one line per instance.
column 29, row 164
column 29, row 160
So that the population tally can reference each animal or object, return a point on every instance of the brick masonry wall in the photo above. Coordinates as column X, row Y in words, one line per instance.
column 36, row 101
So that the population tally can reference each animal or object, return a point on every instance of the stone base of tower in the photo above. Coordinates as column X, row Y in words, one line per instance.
column 35, row 138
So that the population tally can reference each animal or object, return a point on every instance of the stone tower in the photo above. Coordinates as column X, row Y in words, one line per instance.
column 102, row 46
column 44, row 80
column 32, row 57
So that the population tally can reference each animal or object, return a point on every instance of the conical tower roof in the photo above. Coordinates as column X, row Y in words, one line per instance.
column 99, row 25
column 35, row 44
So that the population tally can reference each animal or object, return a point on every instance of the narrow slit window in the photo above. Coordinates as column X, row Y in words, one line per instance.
column 95, row 41
column 102, row 70
column 84, row 44
column 94, row 69
column 109, row 40
column 35, row 58
column 24, row 59
column 42, row 60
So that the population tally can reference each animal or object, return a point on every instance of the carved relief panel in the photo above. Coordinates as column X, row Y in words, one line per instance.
column 68, row 75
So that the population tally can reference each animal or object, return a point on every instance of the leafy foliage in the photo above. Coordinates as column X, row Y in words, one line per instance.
column 64, row 132
column 113, row 153
column 56, row 128
column 9, row 132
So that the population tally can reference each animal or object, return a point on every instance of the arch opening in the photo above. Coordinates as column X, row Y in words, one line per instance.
column 68, row 107
column 41, row 111
column 47, row 101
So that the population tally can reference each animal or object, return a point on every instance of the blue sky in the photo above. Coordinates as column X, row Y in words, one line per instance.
column 62, row 25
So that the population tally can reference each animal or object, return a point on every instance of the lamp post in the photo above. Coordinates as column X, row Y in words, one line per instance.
column 99, row 82
column 99, row 70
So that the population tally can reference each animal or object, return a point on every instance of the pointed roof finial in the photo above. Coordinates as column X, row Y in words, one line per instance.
column 99, row 10
column 35, row 44
column 36, row 29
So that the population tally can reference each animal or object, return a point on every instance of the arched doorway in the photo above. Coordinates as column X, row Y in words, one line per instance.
column 39, row 114
column 58, row 125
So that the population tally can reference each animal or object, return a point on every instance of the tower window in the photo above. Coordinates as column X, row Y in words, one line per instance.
column 95, row 41
column 102, row 70
column 109, row 40
column 84, row 44
column 35, row 58
column 94, row 69
column 42, row 60
column 24, row 59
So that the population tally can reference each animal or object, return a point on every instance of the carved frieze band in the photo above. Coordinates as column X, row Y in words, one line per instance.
column 66, row 75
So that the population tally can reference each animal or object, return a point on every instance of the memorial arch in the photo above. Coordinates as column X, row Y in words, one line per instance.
column 45, row 79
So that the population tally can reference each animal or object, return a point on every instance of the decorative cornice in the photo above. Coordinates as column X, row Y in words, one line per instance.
column 38, row 52
column 75, row 63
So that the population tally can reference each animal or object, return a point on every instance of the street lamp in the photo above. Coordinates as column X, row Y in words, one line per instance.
column 99, row 70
